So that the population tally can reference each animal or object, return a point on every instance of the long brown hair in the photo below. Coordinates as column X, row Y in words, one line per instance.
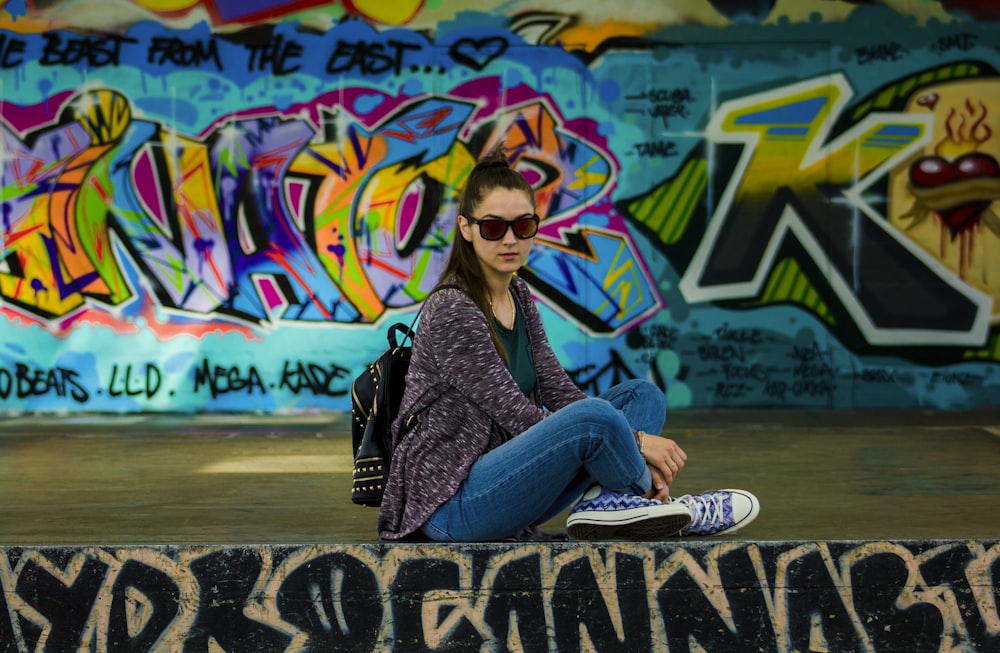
column 491, row 172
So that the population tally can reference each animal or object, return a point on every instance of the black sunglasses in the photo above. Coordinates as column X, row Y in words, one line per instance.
column 495, row 229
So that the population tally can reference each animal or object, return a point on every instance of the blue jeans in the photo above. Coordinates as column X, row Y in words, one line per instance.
column 544, row 470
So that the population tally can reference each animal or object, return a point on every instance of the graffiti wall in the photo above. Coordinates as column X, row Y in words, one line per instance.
column 877, row 597
column 220, row 206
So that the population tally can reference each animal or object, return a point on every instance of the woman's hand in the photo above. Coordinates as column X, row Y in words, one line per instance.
column 665, row 459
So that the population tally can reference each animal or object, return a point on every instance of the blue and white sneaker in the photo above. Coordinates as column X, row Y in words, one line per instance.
column 718, row 512
column 605, row 515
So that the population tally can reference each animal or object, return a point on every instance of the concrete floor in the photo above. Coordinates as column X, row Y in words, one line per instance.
column 233, row 479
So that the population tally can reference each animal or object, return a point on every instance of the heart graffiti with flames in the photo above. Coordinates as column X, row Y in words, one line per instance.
column 955, row 180
column 960, row 192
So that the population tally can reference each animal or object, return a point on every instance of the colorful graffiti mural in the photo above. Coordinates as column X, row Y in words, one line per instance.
column 766, row 213
column 877, row 596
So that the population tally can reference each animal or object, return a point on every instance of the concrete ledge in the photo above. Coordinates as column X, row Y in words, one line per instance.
column 683, row 595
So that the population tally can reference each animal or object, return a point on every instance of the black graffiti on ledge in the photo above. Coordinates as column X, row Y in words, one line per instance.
column 877, row 596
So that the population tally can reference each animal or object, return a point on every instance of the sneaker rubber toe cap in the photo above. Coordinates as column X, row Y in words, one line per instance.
column 745, row 507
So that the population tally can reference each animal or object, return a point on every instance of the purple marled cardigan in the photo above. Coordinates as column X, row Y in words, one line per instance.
column 457, row 371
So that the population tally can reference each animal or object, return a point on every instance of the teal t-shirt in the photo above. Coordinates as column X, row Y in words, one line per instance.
column 515, row 341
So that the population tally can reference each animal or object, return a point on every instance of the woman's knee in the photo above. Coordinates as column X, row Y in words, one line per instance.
column 604, row 416
column 645, row 393
column 595, row 408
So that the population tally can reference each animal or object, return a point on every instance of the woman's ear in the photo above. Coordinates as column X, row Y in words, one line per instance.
column 465, row 228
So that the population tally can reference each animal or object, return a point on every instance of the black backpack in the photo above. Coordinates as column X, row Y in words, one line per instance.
column 375, row 397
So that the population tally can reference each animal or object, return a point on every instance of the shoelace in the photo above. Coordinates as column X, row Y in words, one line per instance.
column 706, row 511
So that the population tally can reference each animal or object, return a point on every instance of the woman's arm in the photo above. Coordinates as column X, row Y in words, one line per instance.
column 459, row 347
